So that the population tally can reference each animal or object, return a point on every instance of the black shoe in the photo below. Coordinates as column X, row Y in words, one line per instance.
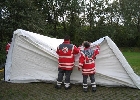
column 58, row 86
column 67, row 88
column 85, row 89
column 93, row 89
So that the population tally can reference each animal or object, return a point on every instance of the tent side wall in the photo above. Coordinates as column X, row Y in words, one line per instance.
column 109, row 70
column 30, row 62
column 135, row 78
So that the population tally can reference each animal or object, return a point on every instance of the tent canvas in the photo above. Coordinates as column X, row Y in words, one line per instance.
column 32, row 58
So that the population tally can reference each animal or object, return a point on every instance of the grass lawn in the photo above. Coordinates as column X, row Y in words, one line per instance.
column 45, row 91
column 133, row 59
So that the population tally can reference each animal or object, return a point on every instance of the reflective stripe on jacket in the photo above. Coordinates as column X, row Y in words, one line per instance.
column 66, row 52
column 87, row 63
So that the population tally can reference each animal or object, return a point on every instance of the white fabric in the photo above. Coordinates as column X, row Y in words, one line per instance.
column 32, row 58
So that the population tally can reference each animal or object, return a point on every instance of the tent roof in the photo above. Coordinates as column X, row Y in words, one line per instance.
column 39, row 39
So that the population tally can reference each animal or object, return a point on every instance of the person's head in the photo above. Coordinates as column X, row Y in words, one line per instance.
column 67, row 38
column 83, row 43
column 86, row 44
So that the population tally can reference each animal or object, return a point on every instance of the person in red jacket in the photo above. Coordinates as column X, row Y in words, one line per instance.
column 87, row 64
column 66, row 52
column 7, row 47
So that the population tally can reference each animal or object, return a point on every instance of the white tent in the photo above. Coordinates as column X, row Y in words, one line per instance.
column 32, row 58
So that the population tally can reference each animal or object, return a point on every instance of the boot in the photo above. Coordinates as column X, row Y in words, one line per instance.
column 93, row 89
column 58, row 86
column 67, row 86
column 85, row 89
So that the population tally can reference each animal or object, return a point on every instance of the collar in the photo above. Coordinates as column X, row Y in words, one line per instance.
column 86, row 48
column 67, row 42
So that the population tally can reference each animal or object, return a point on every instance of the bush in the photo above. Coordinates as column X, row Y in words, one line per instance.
column 130, row 49
column 2, row 53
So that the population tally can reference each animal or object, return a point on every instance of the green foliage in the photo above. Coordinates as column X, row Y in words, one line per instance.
column 116, row 20
column 130, row 49
column 2, row 52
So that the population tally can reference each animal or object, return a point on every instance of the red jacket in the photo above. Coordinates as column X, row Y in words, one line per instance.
column 7, row 47
column 87, row 63
column 66, row 53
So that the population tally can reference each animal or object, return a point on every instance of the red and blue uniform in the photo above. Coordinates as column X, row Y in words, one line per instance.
column 66, row 52
column 87, row 64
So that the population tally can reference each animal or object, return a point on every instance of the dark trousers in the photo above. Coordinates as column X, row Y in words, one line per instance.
column 67, row 74
column 91, row 78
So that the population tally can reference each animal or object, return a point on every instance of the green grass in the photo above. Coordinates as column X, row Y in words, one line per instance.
column 45, row 91
column 133, row 59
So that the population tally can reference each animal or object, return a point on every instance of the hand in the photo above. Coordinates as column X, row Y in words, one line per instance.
column 79, row 69
column 98, row 47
